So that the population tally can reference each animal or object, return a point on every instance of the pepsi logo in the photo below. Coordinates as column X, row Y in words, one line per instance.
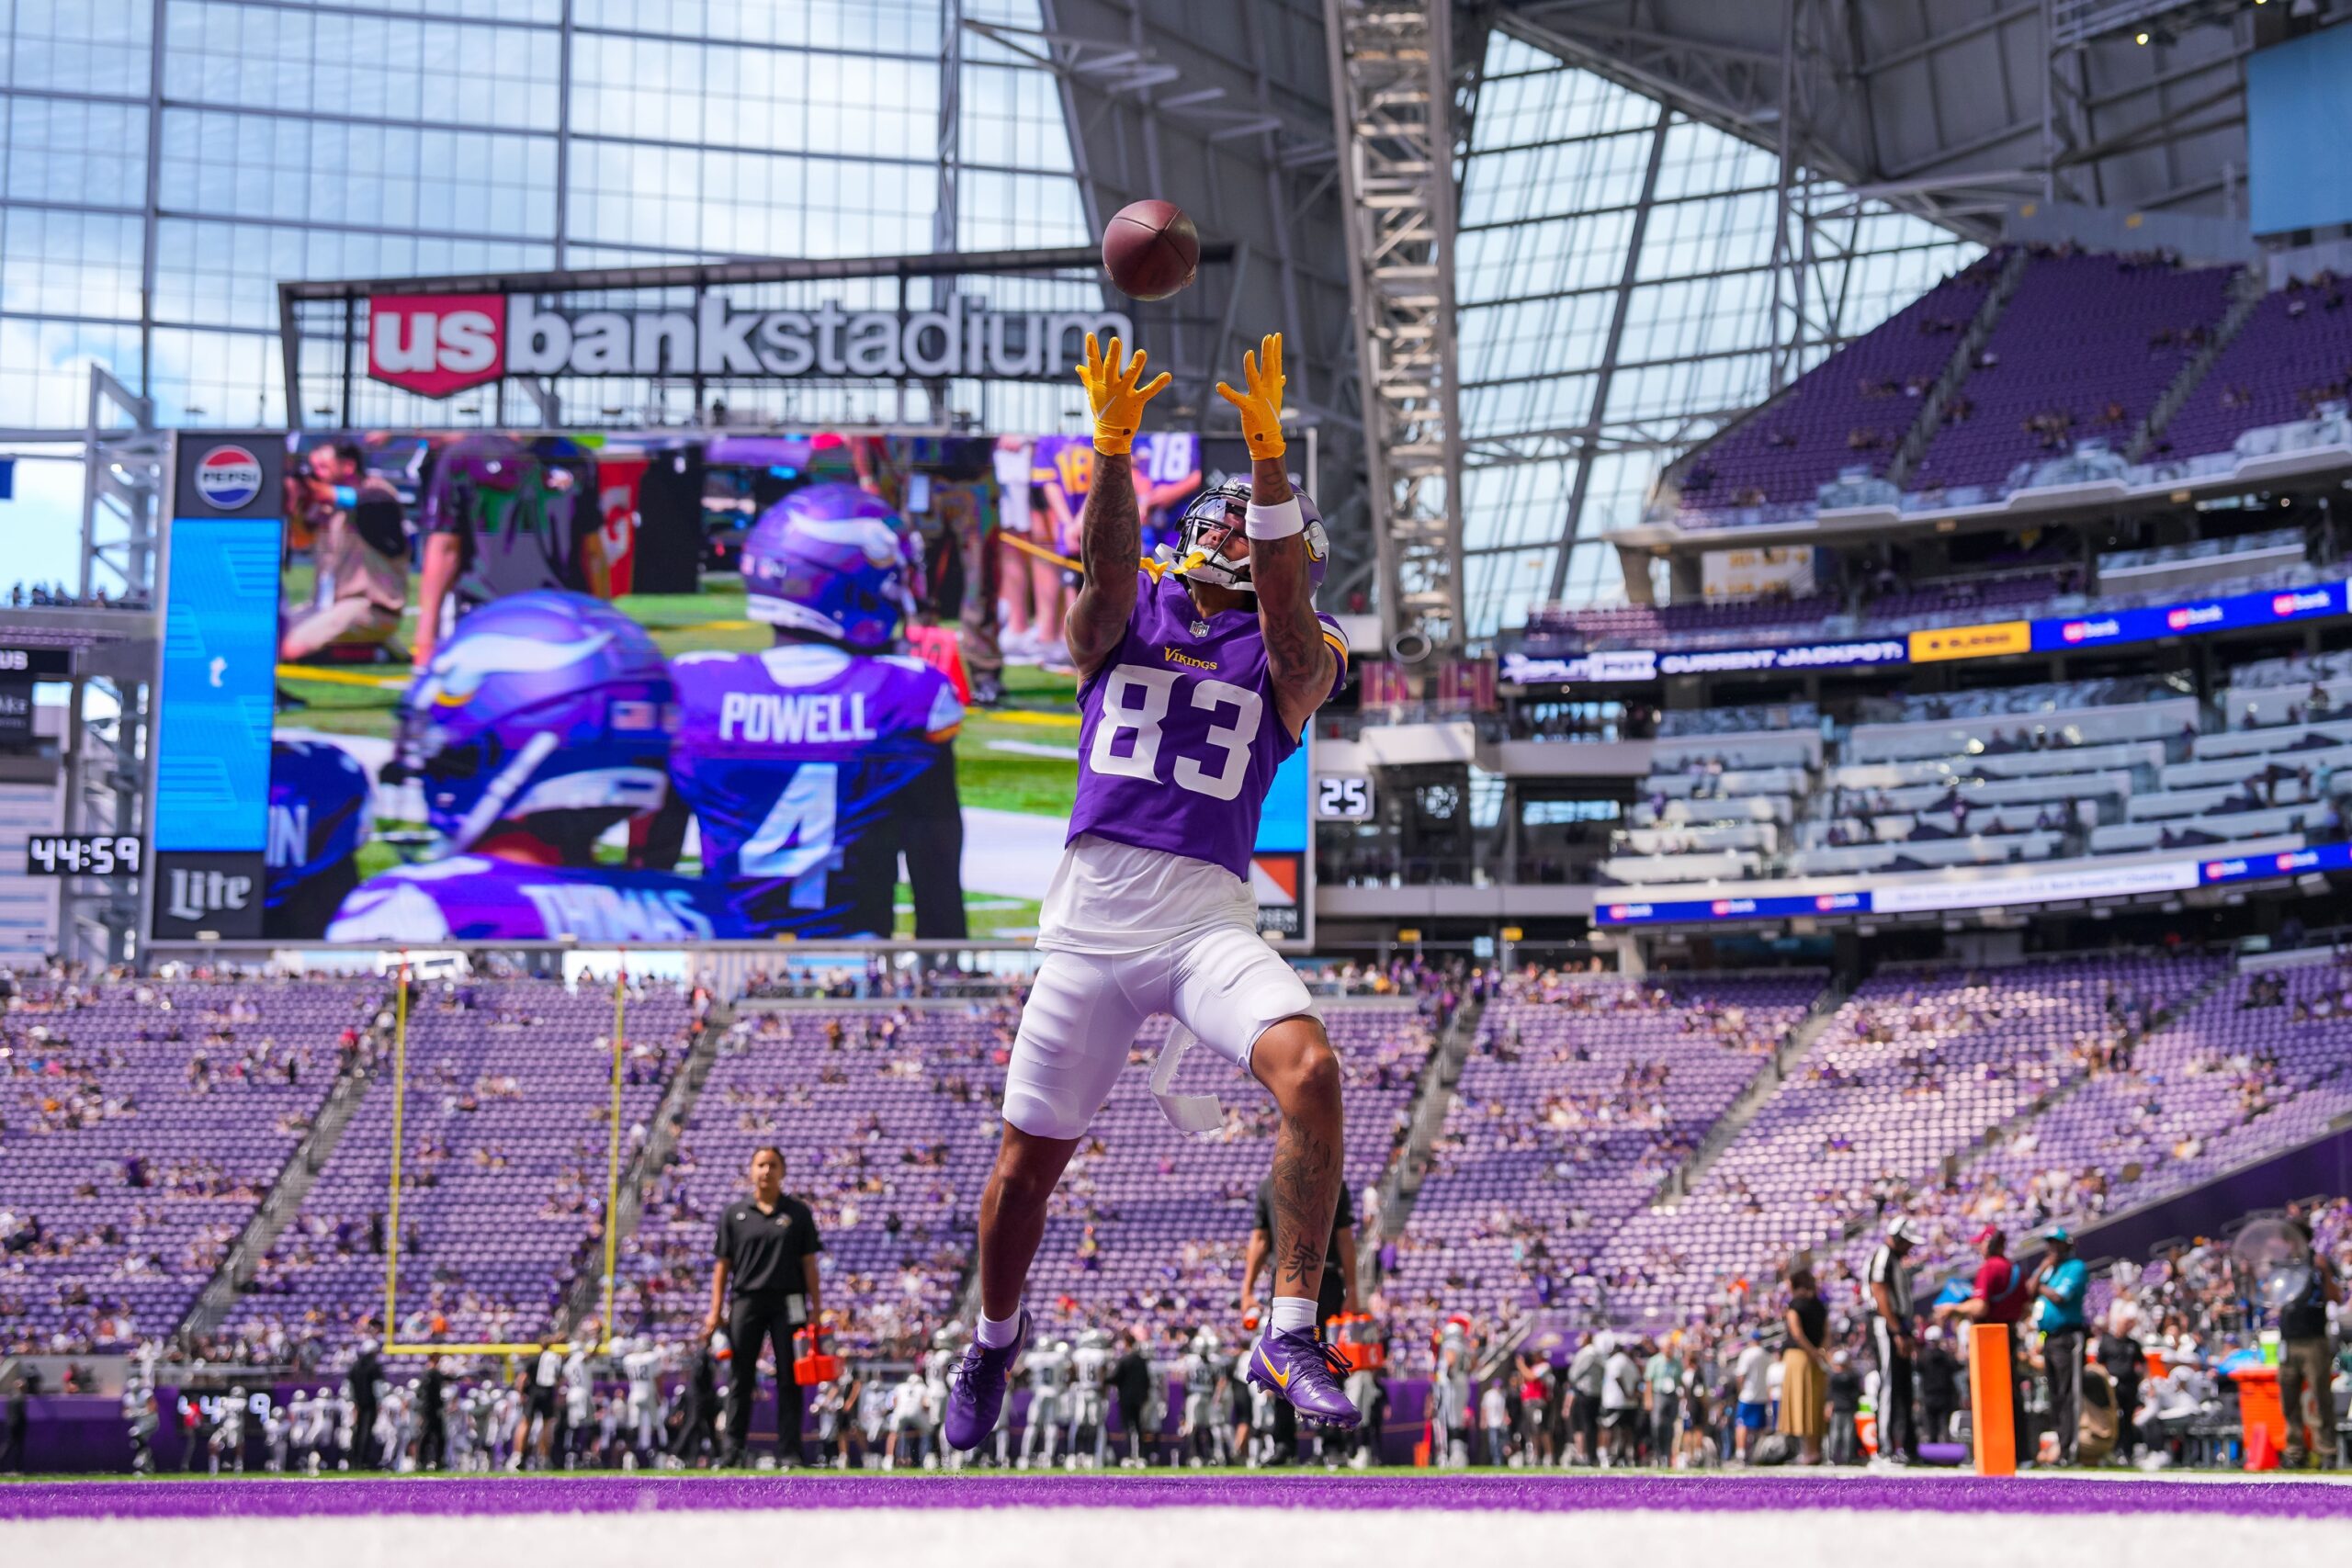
column 228, row 477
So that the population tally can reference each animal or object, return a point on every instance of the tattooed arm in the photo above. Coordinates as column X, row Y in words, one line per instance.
column 1110, row 547
column 1110, row 526
column 1299, row 661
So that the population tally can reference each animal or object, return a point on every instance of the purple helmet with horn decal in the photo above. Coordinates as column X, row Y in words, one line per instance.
column 1216, row 517
column 548, row 707
column 829, row 561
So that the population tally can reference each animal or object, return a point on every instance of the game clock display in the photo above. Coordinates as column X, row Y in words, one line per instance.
column 80, row 854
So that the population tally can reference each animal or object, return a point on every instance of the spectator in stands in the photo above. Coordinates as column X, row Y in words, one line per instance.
column 2306, row 1360
column 763, row 1288
column 2061, row 1282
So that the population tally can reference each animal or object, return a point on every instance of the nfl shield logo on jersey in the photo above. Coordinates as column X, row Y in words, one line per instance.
column 1200, row 629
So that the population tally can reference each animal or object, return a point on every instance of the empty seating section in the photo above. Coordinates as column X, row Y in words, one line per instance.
column 2291, row 356
column 888, row 1117
column 1552, row 629
column 1582, row 1095
column 1915, row 1070
column 1993, row 777
column 2173, row 568
column 507, row 1128
column 141, row 1121
column 1850, row 412
column 1715, row 806
column 2257, row 1065
column 2086, row 347
column 902, row 1102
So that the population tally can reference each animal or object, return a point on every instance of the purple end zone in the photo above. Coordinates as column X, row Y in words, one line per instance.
column 599, row 1493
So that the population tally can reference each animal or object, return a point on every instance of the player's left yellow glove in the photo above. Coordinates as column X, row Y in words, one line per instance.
column 1112, row 393
column 1261, row 409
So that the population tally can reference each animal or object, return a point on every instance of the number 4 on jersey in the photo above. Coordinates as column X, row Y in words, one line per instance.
column 797, row 839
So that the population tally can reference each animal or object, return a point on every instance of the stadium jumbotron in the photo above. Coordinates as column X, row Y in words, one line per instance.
column 1569, row 773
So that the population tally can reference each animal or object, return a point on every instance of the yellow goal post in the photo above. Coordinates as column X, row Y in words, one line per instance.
column 393, row 1241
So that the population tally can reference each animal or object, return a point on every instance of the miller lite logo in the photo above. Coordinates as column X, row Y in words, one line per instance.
column 434, row 345
column 193, row 894
column 228, row 477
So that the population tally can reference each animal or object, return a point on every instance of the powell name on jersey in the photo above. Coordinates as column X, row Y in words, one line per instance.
column 478, row 899
column 1181, row 733
column 805, row 767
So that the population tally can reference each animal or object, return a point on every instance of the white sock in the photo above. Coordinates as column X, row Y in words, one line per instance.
column 995, row 1333
column 1294, row 1314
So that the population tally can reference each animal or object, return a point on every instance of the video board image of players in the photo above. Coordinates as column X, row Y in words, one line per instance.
column 840, row 747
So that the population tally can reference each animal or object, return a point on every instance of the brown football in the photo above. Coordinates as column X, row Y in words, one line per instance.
column 1150, row 249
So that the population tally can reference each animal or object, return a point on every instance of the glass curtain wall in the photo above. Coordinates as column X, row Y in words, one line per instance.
column 166, row 162
column 1615, row 283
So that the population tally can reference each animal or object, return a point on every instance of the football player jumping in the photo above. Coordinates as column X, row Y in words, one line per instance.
column 1198, row 676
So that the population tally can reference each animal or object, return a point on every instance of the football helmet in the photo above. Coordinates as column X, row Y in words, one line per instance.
column 548, row 705
column 1217, row 517
column 829, row 561
column 321, row 811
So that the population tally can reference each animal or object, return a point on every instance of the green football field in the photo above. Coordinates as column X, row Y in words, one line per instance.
column 1020, row 756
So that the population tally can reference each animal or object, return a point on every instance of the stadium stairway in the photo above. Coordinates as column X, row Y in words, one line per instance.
column 277, row 1209
column 1913, row 445
column 1752, row 1098
column 2246, row 293
column 586, row 1297
column 1431, row 1097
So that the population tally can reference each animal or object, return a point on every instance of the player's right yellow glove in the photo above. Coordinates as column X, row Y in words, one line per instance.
column 1112, row 393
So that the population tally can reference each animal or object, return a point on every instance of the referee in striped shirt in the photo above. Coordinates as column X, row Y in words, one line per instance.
column 1889, row 1279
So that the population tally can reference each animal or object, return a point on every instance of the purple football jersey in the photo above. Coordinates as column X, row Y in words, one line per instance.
column 802, row 765
column 479, row 898
column 1182, row 733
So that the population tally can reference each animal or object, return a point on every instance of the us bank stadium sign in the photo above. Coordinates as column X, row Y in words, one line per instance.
column 437, row 344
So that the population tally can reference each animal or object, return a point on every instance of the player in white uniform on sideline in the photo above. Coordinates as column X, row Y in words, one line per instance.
column 578, row 1403
column 874, row 1417
column 937, row 1363
column 910, row 1428
column 1200, row 1433
column 1197, row 681
column 1090, row 1412
column 641, row 1365
column 297, row 1431
column 1048, row 1373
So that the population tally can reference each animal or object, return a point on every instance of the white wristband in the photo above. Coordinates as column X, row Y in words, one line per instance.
column 1276, row 522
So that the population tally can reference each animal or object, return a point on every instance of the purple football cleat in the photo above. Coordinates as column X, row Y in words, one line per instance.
column 975, row 1389
column 1295, row 1365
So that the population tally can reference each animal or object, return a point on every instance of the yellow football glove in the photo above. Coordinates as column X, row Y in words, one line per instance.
column 1113, row 394
column 1262, row 410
